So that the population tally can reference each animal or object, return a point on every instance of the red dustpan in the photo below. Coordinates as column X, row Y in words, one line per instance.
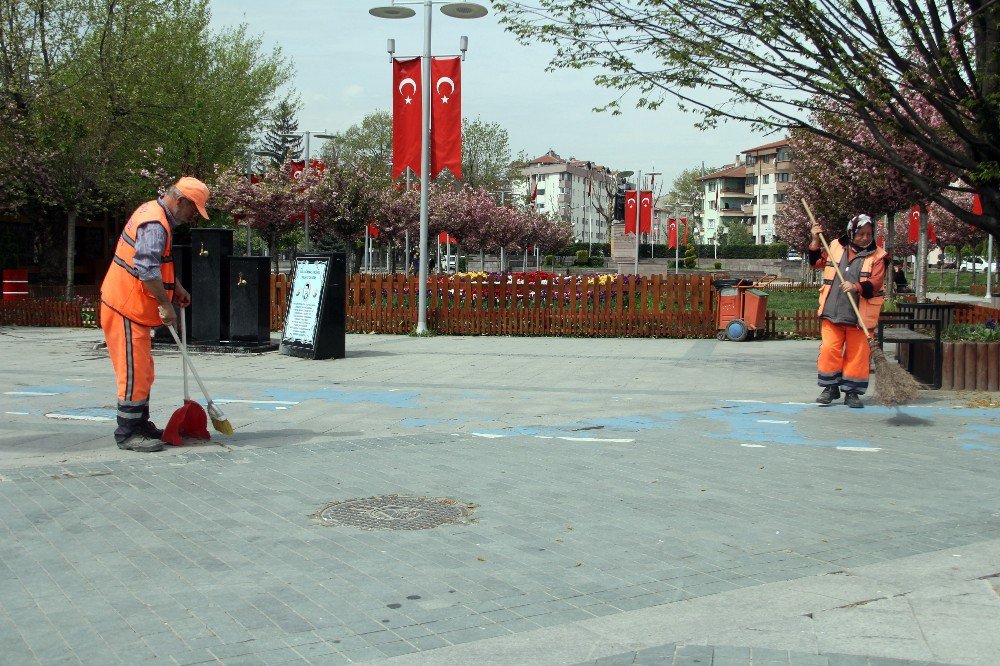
column 191, row 419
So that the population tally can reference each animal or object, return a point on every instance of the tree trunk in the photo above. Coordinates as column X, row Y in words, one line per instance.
column 890, row 230
column 921, row 277
column 958, row 264
column 70, row 251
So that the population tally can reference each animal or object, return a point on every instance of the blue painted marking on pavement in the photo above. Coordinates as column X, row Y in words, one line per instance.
column 57, row 388
column 978, row 447
column 744, row 423
column 397, row 399
column 90, row 411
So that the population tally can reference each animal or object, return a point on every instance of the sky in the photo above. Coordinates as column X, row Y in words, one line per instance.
column 343, row 72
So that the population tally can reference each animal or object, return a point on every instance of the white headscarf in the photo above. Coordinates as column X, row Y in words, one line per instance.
column 856, row 223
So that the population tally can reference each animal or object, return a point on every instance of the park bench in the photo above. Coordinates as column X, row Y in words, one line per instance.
column 922, row 354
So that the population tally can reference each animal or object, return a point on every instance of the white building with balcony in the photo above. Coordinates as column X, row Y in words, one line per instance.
column 724, row 198
column 768, row 175
column 575, row 190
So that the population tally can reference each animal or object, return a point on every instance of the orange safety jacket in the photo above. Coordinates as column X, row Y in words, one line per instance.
column 870, row 308
column 122, row 290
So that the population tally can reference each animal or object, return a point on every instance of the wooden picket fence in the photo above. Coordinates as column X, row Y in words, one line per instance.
column 657, row 306
column 803, row 324
column 47, row 312
column 970, row 313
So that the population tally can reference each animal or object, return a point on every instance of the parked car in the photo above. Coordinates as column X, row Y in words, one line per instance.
column 979, row 262
column 449, row 263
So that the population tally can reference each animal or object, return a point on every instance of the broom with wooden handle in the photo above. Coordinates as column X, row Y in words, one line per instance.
column 219, row 420
column 894, row 386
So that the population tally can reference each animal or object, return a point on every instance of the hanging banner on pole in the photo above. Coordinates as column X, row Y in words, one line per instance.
column 631, row 211
column 406, row 120
column 446, row 116
column 646, row 212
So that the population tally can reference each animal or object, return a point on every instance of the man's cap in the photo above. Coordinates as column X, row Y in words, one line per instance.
column 196, row 191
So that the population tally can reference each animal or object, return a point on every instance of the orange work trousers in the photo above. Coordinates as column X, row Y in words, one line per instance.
column 131, row 349
column 844, row 357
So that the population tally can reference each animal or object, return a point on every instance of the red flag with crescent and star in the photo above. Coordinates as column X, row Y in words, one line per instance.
column 977, row 205
column 406, row 121
column 914, row 234
column 645, row 212
column 672, row 233
column 446, row 116
column 631, row 211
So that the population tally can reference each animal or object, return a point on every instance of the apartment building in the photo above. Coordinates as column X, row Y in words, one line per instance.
column 573, row 190
column 751, row 192
column 724, row 196
column 768, row 175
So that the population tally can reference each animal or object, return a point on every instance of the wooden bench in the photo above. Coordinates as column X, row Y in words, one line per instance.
column 900, row 328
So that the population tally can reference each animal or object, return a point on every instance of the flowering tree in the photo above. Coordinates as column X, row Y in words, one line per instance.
column 272, row 206
column 344, row 203
column 839, row 182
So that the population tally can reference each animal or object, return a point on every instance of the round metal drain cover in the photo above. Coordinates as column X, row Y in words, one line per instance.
column 396, row 512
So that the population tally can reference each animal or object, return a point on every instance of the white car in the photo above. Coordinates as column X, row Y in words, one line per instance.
column 979, row 263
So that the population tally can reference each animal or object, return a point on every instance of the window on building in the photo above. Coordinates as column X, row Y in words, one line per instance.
column 765, row 198
column 767, row 178
column 710, row 186
column 779, row 198
column 541, row 191
column 768, row 159
column 751, row 160
column 763, row 220
column 784, row 154
column 782, row 177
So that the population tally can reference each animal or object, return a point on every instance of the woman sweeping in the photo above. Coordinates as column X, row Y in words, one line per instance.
column 844, row 353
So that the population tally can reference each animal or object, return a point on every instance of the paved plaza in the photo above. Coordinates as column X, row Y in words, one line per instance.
column 610, row 501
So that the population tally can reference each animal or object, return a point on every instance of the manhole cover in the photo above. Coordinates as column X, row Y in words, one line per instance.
column 396, row 512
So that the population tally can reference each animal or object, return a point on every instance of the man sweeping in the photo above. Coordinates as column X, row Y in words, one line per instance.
column 844, row 353
column 138, row 294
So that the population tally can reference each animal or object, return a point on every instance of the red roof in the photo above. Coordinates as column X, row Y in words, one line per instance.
column 547, row 158
column 736, row 171
column 773, row 144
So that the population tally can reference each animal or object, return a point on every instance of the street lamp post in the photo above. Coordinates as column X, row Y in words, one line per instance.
column 396, row 10
column 305, row 169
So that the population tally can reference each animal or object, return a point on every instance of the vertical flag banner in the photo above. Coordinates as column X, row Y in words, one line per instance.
column 406, row 121
column 672, row 233
column 631, row 212
column 646, row 212
column 977, row 205
column 373, row 231
column 914, row 235
column 446, row 116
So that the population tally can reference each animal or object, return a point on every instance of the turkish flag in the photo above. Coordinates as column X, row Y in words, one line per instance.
column 645, row 212
column 295, row 169
column 684, row 221
column 446, row 116
column 977, row 205
column 406, row 121
column 914, row 235
column 534, row 195
column 444, row 237
column 373, row 231
column 631, row 204
column 672, row 233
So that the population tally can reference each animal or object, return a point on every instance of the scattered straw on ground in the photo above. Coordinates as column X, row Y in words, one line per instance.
column 980, row 400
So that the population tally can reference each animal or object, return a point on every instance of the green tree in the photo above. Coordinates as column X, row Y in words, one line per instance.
column 102, row 94
column 882, row 64
column 366, row 145
column 282, row 122
column 734, row 232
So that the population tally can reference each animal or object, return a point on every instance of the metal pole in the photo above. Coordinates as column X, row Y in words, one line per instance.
column 989, row 267
column 305, row 173
column 638, row 208
column 425, row 167
column 249, row 180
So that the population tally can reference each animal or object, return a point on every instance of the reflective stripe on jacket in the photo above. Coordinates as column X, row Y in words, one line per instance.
column 869, row 307
column 122, row 290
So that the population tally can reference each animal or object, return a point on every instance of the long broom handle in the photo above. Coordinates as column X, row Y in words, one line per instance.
column 187, row 361
column 850, row 297
column 184, row 363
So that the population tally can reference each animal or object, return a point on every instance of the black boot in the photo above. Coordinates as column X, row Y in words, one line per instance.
column 829, row 394
column 853, row 400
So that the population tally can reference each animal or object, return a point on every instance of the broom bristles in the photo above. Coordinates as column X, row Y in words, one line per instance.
column 894, row 386
column 219, row 420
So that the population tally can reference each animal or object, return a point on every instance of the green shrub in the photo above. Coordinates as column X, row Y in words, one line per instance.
column 597, row 262
column 463, row 264
column 550, row 259
column 690, row 257
column 988, row 332
column 718, row 265
column 582, row 258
